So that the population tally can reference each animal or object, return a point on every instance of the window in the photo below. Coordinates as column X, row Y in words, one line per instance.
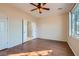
column 75, row 22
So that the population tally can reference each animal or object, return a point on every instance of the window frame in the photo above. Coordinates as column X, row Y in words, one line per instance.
column 73, row 26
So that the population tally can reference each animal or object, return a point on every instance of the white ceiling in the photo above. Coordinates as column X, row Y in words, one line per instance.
column 66, row 7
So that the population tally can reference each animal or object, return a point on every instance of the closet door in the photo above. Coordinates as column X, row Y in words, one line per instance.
column 3, row 33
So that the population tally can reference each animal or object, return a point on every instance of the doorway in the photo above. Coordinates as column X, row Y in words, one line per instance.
column 29, row 30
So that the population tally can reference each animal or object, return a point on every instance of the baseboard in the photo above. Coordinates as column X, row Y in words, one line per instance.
column 3, row 49
column 52, row 40
column 72, row 49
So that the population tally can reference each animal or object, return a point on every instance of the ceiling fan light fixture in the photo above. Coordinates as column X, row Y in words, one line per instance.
column 40, row 10
column 40, row 7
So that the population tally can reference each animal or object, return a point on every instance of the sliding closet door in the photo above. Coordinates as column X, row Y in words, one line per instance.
column 3, row 33
column 14, row 32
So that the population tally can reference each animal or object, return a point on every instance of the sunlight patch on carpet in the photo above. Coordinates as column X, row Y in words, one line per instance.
column 34, row 53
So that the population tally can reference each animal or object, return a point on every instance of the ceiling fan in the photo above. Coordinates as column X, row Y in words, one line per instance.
column 39, row 7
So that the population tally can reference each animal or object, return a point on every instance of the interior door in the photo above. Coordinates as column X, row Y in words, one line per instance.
column 3, row 33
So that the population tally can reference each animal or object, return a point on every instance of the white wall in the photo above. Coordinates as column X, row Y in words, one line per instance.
column 54, row 27
column 15, row 17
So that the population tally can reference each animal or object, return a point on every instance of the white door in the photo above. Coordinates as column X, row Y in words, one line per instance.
column 33, row 30
column 3, row 33
column 25, row 31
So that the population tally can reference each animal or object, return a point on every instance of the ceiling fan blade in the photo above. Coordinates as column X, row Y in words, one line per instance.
column 46, row 8
column 34, row 9
column 44, row 4
column 33, row 4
